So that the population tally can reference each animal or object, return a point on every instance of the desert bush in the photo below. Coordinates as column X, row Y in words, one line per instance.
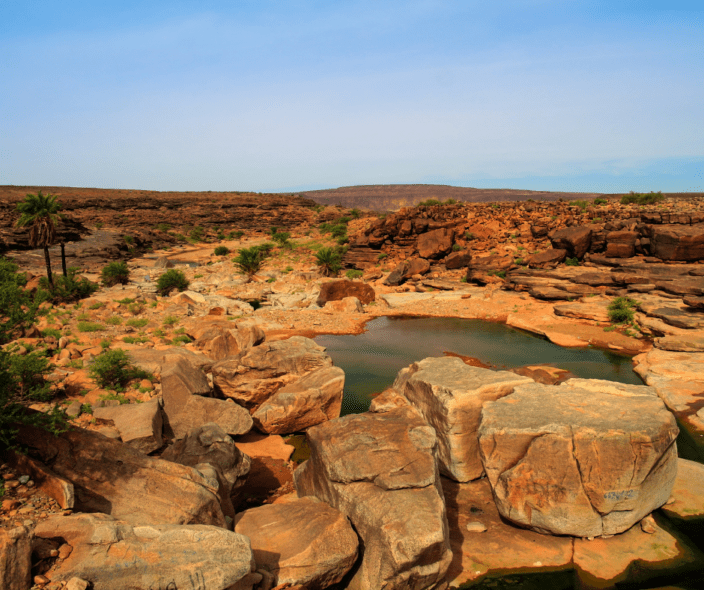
column 622, row 310
column 171, row 279
column 281, row 238
column 642, row 198
column 90, row 327
column 249, row 261
column 236, row 235
column 67, row 288
column 571, row 262
column 112, row 369
column 600, row 201
column 456, row 247
column 354, row 274
column 114, row 273
column 222, row 251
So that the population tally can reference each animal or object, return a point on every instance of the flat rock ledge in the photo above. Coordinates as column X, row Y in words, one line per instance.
column 586, row 458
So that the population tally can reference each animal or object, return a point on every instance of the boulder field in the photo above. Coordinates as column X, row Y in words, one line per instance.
column 457, row 474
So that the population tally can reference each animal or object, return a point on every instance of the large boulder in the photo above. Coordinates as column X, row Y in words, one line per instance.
column 547, row 259
column 115, row 555
column 450, row 394
column 153, row 360
column 435, row 244
column 313, row 399
column 337, row 290
column 406, row 269
column 302, row 542
column 199, row 410
column 139, row 425
column 114, row 478
column 179, row 381
column 15, row 558
column 253, row 377
column 456, row 260
column 586, row 458
column 220, row 340
column 380, row 471
column 210, row 445
column 576, row 240
column 621, row 244
column 677, row 242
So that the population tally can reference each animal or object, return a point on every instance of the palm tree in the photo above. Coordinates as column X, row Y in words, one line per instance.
column 40, row 212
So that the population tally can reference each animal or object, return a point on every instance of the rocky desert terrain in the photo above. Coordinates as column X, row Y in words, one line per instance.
column 225, row 464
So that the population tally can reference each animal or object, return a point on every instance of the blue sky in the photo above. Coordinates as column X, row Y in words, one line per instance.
column 284, row 96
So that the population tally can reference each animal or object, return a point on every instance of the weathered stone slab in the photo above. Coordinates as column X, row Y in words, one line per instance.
column 15, row 558
column 302, row 542
column 180, row 380
column 449, row 394
column 676, row 376
column 139, row 425
column 586, row 458
column 677, row 242
column 115, row 555
column 313, row 399
column 687, row 500
column 199, row 410
column 589, row 310
column 692, row 342
column 114, row 478
column 253, row 377
column 380, row 471
column 678, row 317
column 435, row 243
column 209, row 444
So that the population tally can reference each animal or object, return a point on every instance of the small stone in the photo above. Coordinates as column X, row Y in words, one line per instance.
column 24, row 479
column 65, row 550
column 476, row 527
column 41, row 580
column 647, row 525
column 76, row 584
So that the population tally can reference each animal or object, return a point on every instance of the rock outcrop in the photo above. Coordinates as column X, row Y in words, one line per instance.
column 337, row 290
column 380, row 471
column 586, row 458
column 15, row 558
column 115, row 555
column 311, row 400
column 113, row 478
column 449, row 394
column 139, row 425
column 253, row 377
column 301, row 542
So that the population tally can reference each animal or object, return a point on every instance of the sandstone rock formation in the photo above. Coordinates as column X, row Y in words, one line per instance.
column 380, row 471
column 116, row 479
column 15, row 558
column 336, row 290
column 449, row 394
column 209, row 445
column 303, row 542
column 139, row 425
column 311, row 400
column 115, row 555
column 586, row 458
column 253, row 377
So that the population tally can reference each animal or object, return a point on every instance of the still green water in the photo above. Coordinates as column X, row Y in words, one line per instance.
column 371, row 360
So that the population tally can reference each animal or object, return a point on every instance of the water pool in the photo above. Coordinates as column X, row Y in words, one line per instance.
column 372, row 359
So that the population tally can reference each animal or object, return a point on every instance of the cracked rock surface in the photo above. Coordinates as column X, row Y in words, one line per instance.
column 586, row 458
column 380, row 470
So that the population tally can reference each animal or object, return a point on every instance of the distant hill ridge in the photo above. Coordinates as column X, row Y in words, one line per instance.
column 389, row 197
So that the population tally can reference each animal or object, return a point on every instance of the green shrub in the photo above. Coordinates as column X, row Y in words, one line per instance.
column 581, row 204
column 382, row 256
column 355, row 213
column 281, row 238
column 196, row 234
column 112, row 368
column 53, row 332
column 90, row 327
column 129, row 240
column 137, row 322
column 354, row 274
column 329, row 260
column 163, row 226
column 249, row 261
column 114, row 273
column 642, row 198
column 105, row 343
column 456, row 247
column 170, row 320
column 429, row 203
column 125, row 301
column 114, row 320
column 181, row 338
column 571, row 262
column 622, row 310
column 68, row 288
column 236, row 235
column 600, row 201
column 469, row 236
column 114, row 397
column 171, row 279
column 222, row 251
column 96, row 305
